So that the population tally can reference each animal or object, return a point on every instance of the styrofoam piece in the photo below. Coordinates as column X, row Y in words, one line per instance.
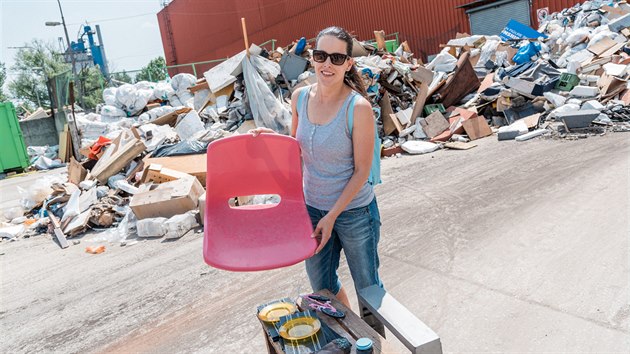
column 615, row 69
column 579, row 119
column 531, row 135
column 584, row 91
column 419, row 147
column 592, row 104
column 555, row 99
column 513, row 130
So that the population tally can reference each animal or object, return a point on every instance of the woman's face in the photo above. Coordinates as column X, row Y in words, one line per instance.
column 329, row 74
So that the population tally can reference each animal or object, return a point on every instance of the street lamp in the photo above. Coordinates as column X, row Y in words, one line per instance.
column 65, row 30
column 72, row 58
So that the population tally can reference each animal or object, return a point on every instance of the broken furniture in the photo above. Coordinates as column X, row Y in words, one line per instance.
column 255, row 237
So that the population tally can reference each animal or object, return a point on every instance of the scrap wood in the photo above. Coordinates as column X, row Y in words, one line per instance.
column 201, row 84
column 108, row 166
column 171, row 118
column 61, row 238
column 459, row 145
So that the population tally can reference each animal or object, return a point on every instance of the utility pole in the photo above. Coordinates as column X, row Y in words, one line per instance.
column 72, row 58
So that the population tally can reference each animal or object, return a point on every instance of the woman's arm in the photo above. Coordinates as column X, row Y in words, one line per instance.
column 363, row 146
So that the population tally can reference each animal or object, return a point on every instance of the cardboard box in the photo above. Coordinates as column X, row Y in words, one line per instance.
column 167, row 199
column 194, row 165
column 76, row 171
column 156, row 173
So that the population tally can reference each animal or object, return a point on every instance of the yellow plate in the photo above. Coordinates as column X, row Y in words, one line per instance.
column 299, row 328
column 273, row 312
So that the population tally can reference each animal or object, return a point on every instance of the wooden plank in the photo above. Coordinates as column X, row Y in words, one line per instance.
column 601, row 46
column 412, row 332
column 118, row 160
column 380, row 40
column 61, row 238
column 614, row 49
column 420, row 101
column 386, row 110
column 459, row 145
column 477, row 127
column 63, row 143
column 199, row 86
column 435, row 124
column 170, row 118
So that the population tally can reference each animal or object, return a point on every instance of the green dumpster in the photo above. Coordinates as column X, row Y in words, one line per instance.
column 12, row 150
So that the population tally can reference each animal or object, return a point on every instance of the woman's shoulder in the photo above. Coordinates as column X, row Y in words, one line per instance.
column 360, row 101
column 297, row 93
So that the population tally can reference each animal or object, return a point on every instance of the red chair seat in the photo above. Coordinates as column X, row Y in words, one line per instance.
column 255, row 237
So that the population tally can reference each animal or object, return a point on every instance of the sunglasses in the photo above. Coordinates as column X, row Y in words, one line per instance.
column 336, row 58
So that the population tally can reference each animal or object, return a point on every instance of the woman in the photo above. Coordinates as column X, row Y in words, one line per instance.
column 340, row 201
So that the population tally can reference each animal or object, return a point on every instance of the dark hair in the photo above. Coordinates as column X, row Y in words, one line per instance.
column 352, row 77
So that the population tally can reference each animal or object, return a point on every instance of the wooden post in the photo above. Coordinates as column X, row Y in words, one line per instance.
column 245, row 36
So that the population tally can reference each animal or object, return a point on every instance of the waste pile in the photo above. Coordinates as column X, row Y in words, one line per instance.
column 144, row 165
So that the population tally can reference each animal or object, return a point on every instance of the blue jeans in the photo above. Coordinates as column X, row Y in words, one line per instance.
column 357, row 232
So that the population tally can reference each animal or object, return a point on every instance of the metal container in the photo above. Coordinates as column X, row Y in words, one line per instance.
column 12, row 150
column 201, row 30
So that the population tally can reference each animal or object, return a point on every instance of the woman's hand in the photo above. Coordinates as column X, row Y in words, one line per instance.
column 323, row 231
column 260, row 130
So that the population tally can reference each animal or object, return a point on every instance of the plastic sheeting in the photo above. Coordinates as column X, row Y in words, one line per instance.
column 267, row 110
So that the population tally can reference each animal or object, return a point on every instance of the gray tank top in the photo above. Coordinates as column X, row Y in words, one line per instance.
column 328, row 158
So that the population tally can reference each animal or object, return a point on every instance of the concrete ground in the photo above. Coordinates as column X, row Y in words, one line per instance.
column 508, row 247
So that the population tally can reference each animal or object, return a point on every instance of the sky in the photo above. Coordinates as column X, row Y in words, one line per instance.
column 130, row 31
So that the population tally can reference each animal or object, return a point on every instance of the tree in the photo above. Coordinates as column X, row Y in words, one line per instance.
column 122, row 77
column 154, row 71
column 3, row 77
column 93, row 85
column 33, row 65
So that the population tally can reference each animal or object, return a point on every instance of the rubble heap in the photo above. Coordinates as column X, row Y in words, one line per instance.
column 144, row 169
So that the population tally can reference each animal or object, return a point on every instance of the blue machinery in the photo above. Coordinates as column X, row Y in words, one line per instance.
column 96, row 53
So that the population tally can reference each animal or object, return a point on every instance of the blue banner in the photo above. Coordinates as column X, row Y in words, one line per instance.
column 517, row 30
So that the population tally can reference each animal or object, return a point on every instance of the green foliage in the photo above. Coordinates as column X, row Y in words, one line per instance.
column 122, row 77
column 33, row 66
column 93, row 84
column 3, row 77
column 154, row 71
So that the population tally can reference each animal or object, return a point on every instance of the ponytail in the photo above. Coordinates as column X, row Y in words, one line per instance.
column 355, row 82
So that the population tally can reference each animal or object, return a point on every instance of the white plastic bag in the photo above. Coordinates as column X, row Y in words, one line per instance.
column 181, row 82
column 109, row 96
column 37, row 192
column 268, row 69
column 12, row 213
column 151, row 227
column 162, row 91
column 131, row 100
column 443, row 62
column 267, row 110
column 578, row 36
column 488, row 49
column 112, row 111
column 44, row 163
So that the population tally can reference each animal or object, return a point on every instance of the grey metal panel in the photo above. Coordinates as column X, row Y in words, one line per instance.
column 491, row 20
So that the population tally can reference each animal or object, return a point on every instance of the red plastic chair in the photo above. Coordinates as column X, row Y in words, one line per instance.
column 255, row 237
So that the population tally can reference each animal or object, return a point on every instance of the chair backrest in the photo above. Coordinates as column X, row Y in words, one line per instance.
column 255, row 237
column 244, row 165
